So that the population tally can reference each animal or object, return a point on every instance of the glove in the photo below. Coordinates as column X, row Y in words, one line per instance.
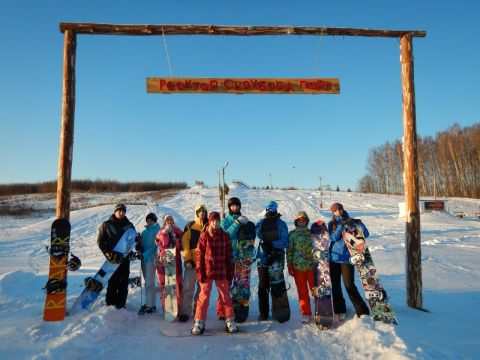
column 189, row 264
column 139, row 247
column 291, row 270
column 242, row 219
column 114, row 257
column 93, row 285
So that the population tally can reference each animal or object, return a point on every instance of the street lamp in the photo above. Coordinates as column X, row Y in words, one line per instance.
column 293, row 177
column 271, row 186
column 223, row 188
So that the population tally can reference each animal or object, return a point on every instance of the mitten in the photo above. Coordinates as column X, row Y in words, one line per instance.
column 114, row 257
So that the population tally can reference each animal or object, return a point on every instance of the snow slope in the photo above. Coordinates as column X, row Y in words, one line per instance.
column 451, row 283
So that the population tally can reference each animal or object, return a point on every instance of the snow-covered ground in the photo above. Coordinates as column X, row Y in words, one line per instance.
column 451, row 284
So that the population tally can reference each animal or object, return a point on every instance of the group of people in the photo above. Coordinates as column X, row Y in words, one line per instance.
column 209, row 248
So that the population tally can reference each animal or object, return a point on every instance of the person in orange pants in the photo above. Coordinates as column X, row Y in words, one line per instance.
column 300, row 262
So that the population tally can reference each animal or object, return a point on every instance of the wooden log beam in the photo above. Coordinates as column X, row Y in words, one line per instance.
column 413, row 244
column 66, row 133
column 146, row 30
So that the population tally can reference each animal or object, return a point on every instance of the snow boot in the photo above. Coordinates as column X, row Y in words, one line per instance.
column 306, row 319
column 151, row 309
column 182, row 318
column 230, row 326
column 198, row 327
column 143, row 310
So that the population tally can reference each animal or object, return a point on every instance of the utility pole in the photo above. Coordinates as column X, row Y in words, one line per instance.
column 223, row 188
column 271, row 186
column 321, row 203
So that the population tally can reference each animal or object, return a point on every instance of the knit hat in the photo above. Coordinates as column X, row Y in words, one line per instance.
column 120, row 207
column 166, row 217
column 152, row 217
column 335, row 207
column 271, row 206
column 213, row 216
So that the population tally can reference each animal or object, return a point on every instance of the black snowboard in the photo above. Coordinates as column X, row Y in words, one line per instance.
column 276, row 264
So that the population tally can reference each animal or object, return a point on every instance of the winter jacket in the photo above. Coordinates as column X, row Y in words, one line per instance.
column 149, row 243
column 230, row 226
column 191, row 236
column 280, row 243
column 111, row 231
column 338, row 250
column 299, row 251
column 166, row 239
column 214, row 256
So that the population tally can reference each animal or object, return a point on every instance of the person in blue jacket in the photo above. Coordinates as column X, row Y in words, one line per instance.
column 340, row 265
column 273, row 242
column 231, row 224
column 149, row 263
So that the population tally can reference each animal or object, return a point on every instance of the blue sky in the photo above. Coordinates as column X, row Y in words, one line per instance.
column 123, row 133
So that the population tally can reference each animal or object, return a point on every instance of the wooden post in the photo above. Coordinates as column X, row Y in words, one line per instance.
column 413, row 248
column 66, row 134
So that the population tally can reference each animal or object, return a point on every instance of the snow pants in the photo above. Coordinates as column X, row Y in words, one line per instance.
column 346, row 271
column 148, row 271
column 190, row 280
column 223, row 287
column 304, row 281
column 117, row 289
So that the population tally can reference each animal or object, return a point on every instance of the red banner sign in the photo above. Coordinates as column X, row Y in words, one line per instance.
column 243, row 86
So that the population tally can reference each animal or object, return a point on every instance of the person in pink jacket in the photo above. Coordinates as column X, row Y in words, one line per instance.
column 170, row 236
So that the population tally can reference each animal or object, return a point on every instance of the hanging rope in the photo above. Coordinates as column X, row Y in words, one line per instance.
column 317, row 56
column 166, row 53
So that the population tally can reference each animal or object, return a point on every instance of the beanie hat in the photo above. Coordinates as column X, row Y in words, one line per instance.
column 271, row 206
column 213, row 216
column 120, row 207
column 166, row 217
column 152, row 217
column 335, row 207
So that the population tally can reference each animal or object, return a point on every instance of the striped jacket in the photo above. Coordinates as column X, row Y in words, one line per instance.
column 214, row 255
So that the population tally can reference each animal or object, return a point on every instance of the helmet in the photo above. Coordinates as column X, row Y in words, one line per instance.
column 301, row 215
column 152, row 216
column 74, row 263
column 271, row 206
column 234, row 201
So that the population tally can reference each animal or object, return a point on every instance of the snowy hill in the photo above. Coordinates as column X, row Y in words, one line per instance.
column 451, row 282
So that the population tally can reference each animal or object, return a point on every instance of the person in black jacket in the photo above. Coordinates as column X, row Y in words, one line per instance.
column 109, row 234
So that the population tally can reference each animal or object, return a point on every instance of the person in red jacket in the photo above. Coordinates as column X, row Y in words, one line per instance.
column 214, row 262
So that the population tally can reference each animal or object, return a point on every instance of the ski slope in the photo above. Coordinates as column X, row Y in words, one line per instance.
column 451, row 284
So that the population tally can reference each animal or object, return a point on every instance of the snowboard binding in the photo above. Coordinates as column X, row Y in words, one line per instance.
column 55, row 286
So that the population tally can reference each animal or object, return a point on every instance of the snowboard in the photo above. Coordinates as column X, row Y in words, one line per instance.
column 278, row 289
column 243, row 329
column 170, row 310
column 322, row 290
column 381, row 309
column 56, row 287
column 87, row 298
column 276, row 264
column 240, row 289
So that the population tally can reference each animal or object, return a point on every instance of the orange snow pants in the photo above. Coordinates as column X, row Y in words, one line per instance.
column 304, row 281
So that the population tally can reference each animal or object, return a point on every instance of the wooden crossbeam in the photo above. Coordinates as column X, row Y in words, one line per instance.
column 146, row 30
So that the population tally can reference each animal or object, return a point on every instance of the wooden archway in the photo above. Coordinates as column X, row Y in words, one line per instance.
column 413, row 248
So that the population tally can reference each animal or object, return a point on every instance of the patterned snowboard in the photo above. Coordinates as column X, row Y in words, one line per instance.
column 360, row 256
column 240, row 289
column 55, row 301
column 322, row 290
column 170, row 288
column 87, row 298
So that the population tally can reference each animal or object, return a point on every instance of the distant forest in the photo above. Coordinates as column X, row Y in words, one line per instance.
column 448, row 165
column 90, row 186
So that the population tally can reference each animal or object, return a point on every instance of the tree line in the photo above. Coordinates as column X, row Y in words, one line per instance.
column 89, row 186
column 448, row 165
